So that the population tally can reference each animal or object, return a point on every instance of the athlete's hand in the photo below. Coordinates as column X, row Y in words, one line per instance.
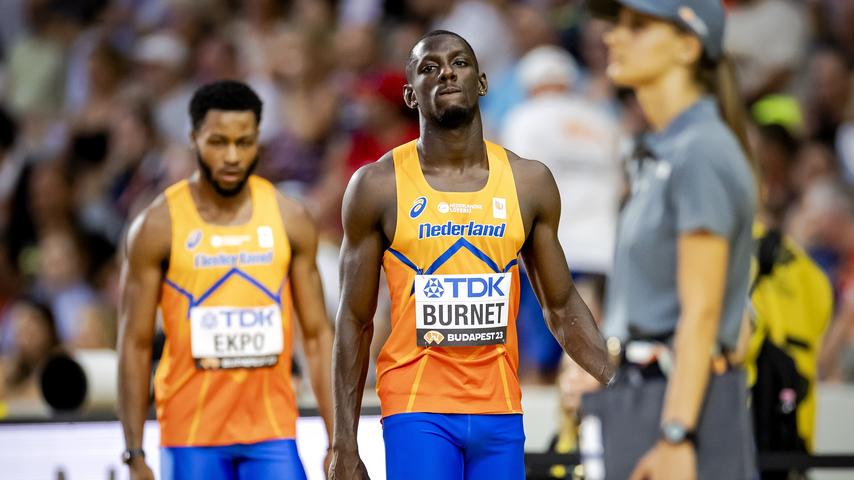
column 667, row 462
column 347, row 466
column 139, row 470
column 327, row 460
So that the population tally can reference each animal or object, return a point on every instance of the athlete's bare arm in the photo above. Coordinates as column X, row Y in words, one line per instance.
column 566, row 314
column 308, row 303
column 147, row 249
column 369, row 218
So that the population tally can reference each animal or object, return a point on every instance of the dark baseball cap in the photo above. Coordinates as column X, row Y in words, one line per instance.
column 704, row 18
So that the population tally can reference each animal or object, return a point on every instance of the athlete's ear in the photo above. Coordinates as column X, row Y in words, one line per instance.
column 484, row 85
column 409, row 97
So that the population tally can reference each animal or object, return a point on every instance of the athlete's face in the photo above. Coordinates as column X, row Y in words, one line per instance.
column 643, row 49
column 444, row 81
column 226, row 145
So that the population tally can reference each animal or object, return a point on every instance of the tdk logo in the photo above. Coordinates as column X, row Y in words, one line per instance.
column 465, row 287
column 418, row 207
column 434, row 288
column 238, row 318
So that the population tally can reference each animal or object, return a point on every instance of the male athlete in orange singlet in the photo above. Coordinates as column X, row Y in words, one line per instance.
column 446, row 216
column 226, row 258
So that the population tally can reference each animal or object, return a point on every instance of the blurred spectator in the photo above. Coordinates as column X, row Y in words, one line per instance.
column 256, row 31
column 384, row 122
column 767, row 40
column 216, row 59
column 823, row 223
column 309, row 107
column 12, row 22
column 572, row 382
column 106, row 75
column 11, row 163
column 776, row 155
column 578, row 140
column 814, row 161
column 35, row 64
column 826, row 222
column 34, row 340
column 830, row 96
column 61, row 281
column 11, row 285
column 480, row 22
column 530, row 29
column 594, row 55
column 81, row 36
column 161, row 60
column 839, row 16
column 97, row 329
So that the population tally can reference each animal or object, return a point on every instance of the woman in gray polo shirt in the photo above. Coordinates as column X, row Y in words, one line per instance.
column 684, row 236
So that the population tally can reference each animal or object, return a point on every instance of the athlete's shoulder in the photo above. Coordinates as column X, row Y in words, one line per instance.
column 376, row 172
column 529, row 172
column 150, row 232
column 372, row 181
column 371, row 195
column 298, row 220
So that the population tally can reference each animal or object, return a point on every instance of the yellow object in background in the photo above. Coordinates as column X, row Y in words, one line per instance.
column 793, row 307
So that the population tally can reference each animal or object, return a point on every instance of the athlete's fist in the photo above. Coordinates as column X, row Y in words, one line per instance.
column 139, row 470
column 347, row 466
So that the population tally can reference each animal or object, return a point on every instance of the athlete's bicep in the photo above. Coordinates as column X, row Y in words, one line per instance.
column 142, row 276
column 542, row 253
column 361, row 250
column 304, row 277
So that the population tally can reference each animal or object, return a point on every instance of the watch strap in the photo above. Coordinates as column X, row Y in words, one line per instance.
column 131, row 453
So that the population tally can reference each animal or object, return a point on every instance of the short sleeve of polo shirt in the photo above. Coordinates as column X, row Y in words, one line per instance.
column 699, row 193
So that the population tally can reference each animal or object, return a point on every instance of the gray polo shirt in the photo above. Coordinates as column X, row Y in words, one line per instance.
column 695, row 178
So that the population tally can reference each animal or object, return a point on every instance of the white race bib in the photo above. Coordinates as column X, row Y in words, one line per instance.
column 236, row 337
column 462, row 310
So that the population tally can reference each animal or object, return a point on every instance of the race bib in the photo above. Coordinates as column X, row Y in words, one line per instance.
column 236, row 337
column 462, row 310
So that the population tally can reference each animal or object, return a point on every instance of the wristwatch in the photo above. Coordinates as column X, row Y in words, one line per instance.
column 675, row 433
column 130, row 454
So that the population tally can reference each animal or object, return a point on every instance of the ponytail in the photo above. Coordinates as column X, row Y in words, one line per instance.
column 719, row 79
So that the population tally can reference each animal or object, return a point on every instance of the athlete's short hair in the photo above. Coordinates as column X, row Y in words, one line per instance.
column 225, row 95
column 439, row 33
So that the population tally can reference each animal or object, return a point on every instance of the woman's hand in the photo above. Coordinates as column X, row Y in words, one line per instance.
column 667, row 462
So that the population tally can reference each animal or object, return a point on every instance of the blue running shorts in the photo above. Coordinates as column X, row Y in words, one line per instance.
column 433, row 446
column 271, row 459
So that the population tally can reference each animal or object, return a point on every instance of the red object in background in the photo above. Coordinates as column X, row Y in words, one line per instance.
column 383, row 131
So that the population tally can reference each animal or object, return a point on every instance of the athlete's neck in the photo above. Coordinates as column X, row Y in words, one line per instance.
column 211, row 200
column 455, row 148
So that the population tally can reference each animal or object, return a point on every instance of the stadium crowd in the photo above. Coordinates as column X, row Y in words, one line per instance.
column 94, row 125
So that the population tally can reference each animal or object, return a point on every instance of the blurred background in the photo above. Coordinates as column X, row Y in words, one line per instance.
column 94, row 125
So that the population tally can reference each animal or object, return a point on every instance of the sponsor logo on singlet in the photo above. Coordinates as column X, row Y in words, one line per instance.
column 462, row 310
column 193, row 239
column 218, row 241
column 499, row 207
column 202, row 260
column 417, row 207
column 265, row 236
column 445, row 207
column 236, row 337
column 451, row 229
